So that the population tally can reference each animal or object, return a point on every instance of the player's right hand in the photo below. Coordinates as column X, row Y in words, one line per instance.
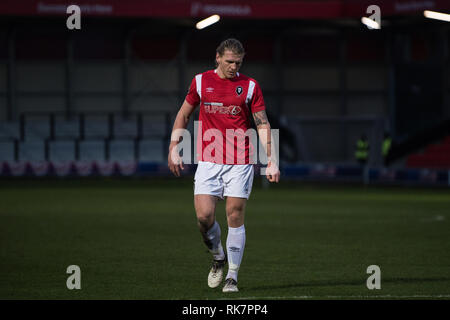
column 175, row 163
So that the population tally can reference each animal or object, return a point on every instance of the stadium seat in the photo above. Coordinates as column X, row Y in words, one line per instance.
column 6, row 151
column 37, row 127
column 121, row 150
column 96, row 126
column 435, row 156
column 62, row 151
column 125, row 128
column 152, row 150
column 92, row 150
column 438, row 149
column 67, row 129
column 32, row 151
column 9, row 130
column 154, row 126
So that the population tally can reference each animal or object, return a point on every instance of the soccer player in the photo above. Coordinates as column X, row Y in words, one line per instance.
column 227, row 100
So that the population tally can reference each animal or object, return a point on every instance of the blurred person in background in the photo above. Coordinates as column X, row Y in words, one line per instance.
column 362, row 150
column 386, row 147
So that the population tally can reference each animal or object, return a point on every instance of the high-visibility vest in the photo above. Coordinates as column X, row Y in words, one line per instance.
column 386, row 146
column 362, row 149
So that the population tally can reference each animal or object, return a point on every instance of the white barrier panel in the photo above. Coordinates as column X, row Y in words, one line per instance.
column 62, row 169
column 40, row 168
column 105, row 168
column 127, row 168
column 18, row 168
column 84, row 168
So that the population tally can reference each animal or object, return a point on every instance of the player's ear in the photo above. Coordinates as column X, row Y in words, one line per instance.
column 217, row 58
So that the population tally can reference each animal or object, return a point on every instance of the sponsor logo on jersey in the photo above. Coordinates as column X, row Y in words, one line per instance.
column 217, row 107
column 235, row 110
column 209, row 89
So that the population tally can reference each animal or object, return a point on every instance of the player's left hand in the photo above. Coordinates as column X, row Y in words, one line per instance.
column 272, row 172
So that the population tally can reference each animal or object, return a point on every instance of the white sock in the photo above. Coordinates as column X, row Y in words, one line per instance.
column 213, row 235
column 235, row 250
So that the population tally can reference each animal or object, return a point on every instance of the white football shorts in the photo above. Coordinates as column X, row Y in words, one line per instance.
column 224, row 180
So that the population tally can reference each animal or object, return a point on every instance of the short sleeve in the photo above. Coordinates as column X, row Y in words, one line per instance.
column 257, row 101
column 192, row 96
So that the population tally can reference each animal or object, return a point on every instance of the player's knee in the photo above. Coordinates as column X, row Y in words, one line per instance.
column 235, row 215
column 205, row 222
column 235, row 209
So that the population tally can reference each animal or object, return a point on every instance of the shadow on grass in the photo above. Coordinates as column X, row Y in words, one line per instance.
column 334, row 283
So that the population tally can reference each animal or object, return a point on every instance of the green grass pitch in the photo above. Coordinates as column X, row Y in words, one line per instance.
column 138, row 239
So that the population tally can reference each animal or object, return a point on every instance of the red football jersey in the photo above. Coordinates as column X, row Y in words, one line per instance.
column 226, row 106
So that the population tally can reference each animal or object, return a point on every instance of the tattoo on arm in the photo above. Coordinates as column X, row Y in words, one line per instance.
column 260, row 118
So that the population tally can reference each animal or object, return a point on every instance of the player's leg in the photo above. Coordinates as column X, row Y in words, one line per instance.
column 235, row 208
column 205, row 206
column 238, row 185
column 207, row 191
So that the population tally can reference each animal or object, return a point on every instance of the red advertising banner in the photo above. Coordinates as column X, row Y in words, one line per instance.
column 354, row 8
column 250, row 9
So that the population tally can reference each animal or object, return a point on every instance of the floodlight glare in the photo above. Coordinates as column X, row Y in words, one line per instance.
column 370, row 23
column 436, row 15
column 207, row 22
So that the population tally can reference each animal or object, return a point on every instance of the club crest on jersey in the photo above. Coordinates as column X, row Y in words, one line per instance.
column 239, row 90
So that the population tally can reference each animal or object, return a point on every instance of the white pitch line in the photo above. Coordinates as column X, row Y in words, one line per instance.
column 346, row 297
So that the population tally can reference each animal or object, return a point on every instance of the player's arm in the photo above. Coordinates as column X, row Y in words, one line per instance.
column 264, row 133
column 181, row 121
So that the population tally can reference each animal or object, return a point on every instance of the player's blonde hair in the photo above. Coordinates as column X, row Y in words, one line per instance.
column 231, row 44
